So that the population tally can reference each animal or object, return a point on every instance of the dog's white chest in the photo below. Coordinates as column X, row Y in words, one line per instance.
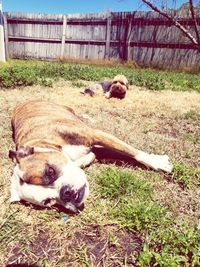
column 81, row 155
column 75, row 152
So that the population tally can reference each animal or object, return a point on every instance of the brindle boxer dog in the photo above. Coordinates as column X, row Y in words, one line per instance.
column 52, row 144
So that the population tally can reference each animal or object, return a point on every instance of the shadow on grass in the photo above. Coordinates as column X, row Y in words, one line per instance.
column 21, row 265
column 57, row 207
column 104, row 155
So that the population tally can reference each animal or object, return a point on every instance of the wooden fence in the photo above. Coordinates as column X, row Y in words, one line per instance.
column 143, row 37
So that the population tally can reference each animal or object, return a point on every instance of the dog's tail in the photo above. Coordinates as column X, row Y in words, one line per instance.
column 87, row 91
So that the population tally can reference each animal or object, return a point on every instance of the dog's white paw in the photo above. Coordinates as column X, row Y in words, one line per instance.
column 156, row 162
column 48, row 202
column 107, row 94
column 161, row 162
column 14, row 196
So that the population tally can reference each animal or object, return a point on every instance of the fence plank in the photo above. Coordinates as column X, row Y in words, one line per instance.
column 63, row 36
column 6, row 34
column 108, row 30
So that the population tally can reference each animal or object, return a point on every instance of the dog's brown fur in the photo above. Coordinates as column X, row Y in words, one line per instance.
column 116, row 88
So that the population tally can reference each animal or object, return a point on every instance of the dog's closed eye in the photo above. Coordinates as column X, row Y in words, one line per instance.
column 50, row 172
column 122, row 83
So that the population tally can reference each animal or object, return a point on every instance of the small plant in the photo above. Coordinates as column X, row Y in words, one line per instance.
column 186, row 176
column 192, row 114
column 78, row 84
column 192, row 138
column 171, row 246
column 46, row 82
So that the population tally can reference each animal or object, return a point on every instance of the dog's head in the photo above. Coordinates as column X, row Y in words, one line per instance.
column 118, row 87
column 46, row 177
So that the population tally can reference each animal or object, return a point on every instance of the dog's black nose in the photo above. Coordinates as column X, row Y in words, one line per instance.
column 68, row 194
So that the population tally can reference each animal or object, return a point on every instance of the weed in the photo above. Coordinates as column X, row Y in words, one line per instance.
column 151, row 80
column 114, row 183
column 16, row 75
column 82, row 255
column 192, row 138
column 171, row 246
column 45, row 82
column 78, row 84
column 192, row 114
column 186, row 176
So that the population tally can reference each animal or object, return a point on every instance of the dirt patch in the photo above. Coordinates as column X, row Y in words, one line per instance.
column 178, row 127
column 109, row 244
column 39, row 248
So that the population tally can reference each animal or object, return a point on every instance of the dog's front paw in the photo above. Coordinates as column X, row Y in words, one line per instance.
column 48, row 202
column 156, row 162
column 14, row 196
column 161, row 162
column 107, row 95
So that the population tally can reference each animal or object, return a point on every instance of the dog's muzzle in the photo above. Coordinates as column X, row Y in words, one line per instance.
column 68, row 194
column 69, row 198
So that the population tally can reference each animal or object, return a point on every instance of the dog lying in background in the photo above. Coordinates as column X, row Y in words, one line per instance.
column 116, row 88
column 52, row 144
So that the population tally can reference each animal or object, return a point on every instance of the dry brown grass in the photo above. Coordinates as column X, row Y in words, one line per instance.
column 153, row 121
column 98, row 62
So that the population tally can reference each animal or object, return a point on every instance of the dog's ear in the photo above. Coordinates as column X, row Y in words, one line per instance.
column 21, row 152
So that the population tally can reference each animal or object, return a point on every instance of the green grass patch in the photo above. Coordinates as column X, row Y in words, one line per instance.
column 166, row 242
column 171, row 246
column 78, row 84
column 22, row 73
column 192, row 114
column 135, row 207
column 119, row 184
column 186, row 176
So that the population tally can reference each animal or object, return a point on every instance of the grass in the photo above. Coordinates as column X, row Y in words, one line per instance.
column 133, row 217
column 186, row 176
column 24, row 73
column 165, row 241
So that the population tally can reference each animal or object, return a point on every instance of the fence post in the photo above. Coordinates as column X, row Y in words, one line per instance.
column 2, row 44
column 108, row 30
column 5, row 16
column 63, row 36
